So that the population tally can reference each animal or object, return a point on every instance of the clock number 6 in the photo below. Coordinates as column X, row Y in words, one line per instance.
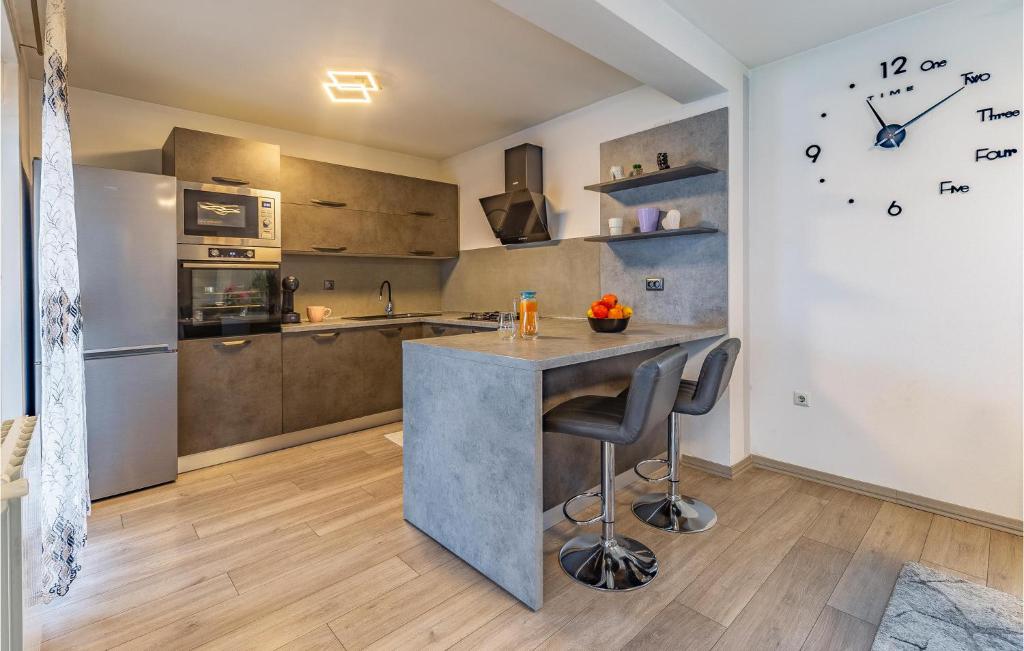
column 895, row 209
column 813, row 152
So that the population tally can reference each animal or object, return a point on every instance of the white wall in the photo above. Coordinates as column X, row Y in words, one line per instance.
column 571, row 145
column 905, row 331
column 121, row 133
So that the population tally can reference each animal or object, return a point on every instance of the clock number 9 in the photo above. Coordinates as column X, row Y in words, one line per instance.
column 895, row 209
column 813, row 152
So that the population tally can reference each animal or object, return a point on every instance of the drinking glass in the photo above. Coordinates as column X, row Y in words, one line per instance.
column 507, row 325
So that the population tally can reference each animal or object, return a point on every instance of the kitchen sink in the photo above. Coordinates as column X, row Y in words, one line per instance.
column 396, row 315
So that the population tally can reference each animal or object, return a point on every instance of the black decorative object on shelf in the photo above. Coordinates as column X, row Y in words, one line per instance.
column 662, row 160
column 652, row 178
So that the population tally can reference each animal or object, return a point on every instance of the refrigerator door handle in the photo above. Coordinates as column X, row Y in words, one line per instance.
column 105, row 353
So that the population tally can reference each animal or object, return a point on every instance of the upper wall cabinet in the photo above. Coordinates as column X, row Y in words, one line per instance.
column 341, row 210
column 212, row 158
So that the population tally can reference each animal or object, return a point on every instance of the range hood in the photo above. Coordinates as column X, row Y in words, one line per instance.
column 518, row 215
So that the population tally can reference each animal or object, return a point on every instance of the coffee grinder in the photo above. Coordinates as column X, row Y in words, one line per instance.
column 288, row 313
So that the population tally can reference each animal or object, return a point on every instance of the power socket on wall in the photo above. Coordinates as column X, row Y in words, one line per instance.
column 801, row 399
column 655, row 284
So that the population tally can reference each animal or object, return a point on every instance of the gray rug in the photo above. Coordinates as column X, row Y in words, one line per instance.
column 938, row 612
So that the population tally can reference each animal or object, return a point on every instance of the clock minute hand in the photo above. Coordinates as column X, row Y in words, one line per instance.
column 877, row 116
column 927, row 110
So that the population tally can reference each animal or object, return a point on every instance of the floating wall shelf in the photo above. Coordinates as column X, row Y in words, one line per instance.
column 672, row 232
column 651, row 178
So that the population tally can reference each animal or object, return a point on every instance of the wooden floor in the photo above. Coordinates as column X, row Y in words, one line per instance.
column 306, row 549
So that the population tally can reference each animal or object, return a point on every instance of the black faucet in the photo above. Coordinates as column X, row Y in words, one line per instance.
column 389, row 309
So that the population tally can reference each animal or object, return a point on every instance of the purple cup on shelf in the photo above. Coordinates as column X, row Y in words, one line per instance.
column 648, row 218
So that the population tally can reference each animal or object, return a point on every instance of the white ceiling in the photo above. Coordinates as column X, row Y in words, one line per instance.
column 761, row 31
column 455, row 73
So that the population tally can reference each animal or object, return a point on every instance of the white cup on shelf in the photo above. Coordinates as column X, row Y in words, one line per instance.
column 615, row 225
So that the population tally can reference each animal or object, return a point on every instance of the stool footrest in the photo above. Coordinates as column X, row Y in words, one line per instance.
column 648, row 478
column 565, row 509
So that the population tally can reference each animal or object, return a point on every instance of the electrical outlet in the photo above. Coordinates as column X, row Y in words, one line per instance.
column 801, row 399
column 655, row 284
column 329, row 285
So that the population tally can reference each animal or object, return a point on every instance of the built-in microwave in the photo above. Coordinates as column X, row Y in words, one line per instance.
column 226, row 215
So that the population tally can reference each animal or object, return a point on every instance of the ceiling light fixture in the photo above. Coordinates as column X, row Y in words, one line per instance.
column 350, row 87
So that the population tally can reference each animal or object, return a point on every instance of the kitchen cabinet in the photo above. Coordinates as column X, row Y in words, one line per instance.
column 336, row 209
column 229, row 391
column 337, row 375
column 436, row 330
column 212, row 158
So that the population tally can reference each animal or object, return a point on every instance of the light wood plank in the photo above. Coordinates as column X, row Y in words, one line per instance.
column 387, row 487
column 758, row 489
column 817, row 489
column 957, row 545
column 845, row 520
column 680, row 559
column 678, row 628
column 837, row 631
column 426, row 556
column 1004, row 566
column 785, row 608
column 362, row 626
column 723, row 589
column 452, row 620
column 185, row 488
column 347, row 518
column 319, row 639
column 273, row 629
column 896, row 536
column 138, row 621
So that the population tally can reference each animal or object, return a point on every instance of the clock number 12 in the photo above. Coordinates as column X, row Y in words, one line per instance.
column 898, row 64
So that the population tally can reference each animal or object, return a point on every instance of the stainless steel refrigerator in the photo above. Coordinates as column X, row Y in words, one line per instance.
column 127, row 252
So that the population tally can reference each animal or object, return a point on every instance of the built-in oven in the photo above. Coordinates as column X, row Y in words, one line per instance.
column 230, row 296
column 228, row 215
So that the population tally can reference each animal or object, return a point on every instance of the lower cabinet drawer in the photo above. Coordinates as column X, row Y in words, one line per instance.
column 229, row 391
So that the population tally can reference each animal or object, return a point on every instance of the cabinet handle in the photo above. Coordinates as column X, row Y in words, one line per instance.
column 421, row 213
column 421, row 252
column 327, row 203
column 229, row 181
column 234, row 343
column 438, row 330
column 388, row 332
column 330, row 249
column 326, row 335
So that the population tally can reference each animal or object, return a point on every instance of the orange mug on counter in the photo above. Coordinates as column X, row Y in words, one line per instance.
column 317, row 313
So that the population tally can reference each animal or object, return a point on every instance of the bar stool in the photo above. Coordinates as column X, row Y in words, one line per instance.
column 610, row 562
column 671, row 511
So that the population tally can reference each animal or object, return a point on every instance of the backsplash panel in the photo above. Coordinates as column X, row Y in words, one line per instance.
column 416, row 284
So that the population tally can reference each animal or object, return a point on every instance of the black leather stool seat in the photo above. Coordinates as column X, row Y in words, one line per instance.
column 595, row 417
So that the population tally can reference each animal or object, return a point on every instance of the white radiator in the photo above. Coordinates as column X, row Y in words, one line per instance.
column 19, row 534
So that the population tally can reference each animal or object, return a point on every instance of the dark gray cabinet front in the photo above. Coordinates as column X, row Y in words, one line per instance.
column 434, row 330
column 222, row 160
column 229, row 391
column 337, row 375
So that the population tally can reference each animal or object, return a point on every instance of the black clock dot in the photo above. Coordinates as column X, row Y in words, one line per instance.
column 853, row 85
column 850, row 201
column 821, row 180
column 824, row 114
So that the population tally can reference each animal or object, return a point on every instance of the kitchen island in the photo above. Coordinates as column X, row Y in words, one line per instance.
column 478, row 470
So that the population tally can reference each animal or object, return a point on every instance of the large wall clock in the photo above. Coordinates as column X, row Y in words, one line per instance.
column 900, row 111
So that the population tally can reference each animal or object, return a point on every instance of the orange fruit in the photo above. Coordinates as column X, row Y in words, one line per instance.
column 616, row 313
column 610, row 300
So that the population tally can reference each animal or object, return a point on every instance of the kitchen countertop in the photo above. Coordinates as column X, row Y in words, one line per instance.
column 564, row 342
column 337, row 323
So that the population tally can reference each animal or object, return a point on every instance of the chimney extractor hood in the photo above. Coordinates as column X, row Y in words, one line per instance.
column 518, row 215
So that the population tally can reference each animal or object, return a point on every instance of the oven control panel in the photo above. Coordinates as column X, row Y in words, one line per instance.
column 236, row 254
column 267, row 217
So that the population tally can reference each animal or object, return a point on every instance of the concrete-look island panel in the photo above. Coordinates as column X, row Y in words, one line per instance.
column 479, row 471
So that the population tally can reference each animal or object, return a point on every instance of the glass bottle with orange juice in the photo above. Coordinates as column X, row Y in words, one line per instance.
column 528, row 315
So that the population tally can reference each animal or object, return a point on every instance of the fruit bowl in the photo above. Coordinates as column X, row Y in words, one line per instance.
column 608, row 325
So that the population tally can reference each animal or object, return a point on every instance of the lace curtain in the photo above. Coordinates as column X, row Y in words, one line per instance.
column 64, row 480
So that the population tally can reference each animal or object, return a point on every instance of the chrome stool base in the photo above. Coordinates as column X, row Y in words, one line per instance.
column 675, row 513
column 614, row 565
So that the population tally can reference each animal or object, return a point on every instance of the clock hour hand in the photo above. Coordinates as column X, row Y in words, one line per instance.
column 928, row 110
column 877, row 116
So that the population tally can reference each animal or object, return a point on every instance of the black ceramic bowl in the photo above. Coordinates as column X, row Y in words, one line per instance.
column 608, row 325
